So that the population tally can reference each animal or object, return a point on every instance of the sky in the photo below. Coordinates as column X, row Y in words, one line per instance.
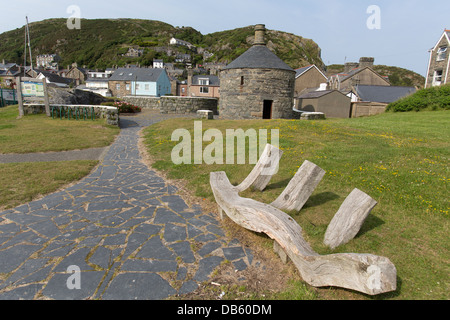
column 394, row 32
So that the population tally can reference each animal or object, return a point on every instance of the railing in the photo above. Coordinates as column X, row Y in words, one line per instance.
column 73, row 112
column 76, row 112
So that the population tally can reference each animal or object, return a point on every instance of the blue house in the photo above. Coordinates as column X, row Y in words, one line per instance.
column 139, row 82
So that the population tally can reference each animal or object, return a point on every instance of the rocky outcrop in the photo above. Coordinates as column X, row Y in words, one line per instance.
column 73, row 96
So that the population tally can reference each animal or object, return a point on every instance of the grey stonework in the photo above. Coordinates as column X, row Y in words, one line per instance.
column 243, row 92
column 174, row 105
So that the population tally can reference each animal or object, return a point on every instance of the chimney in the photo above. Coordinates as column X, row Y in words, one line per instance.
column 366, row 62
column 260, row 32
column 349, row 66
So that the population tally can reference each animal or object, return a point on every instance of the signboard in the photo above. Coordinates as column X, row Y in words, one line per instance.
column 32, row 89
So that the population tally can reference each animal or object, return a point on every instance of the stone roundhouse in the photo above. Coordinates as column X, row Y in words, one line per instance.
column 257, row 85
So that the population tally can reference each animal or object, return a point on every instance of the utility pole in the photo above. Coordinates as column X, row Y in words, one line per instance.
column 27, row 42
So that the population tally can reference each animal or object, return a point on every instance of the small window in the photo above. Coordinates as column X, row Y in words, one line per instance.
column 118, row 86
column 437, row 79
column 128, row 87
column 204, row 90
column 242, row 81
column 442, row 53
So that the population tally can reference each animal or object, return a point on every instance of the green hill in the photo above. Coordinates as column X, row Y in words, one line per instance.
column 102, row 43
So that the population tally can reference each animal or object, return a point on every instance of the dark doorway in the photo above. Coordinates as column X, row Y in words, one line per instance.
column 267, row 111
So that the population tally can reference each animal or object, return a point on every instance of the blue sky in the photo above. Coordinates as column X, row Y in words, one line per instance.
column 408, row 28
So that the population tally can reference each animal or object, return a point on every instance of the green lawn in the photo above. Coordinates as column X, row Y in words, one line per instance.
column 39, row 133
column 399, row 159
column 23, row 182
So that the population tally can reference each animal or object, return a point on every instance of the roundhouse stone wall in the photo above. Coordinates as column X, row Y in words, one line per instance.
column 243, row 98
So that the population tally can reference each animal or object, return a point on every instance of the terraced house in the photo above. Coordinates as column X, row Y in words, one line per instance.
column 139, row 82
column 438, row 67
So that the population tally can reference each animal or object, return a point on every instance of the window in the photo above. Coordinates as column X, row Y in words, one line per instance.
column 441, row 54
column 242, row 80
column 128, row 87
column 137, row 86
column 204, row 90
column 118, row 86
column 147, row 87
column 203, row 82
column 437, row 79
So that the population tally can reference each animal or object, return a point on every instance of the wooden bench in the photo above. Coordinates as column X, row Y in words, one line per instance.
column 349, row 219
column 365, row 273
column 264, row 170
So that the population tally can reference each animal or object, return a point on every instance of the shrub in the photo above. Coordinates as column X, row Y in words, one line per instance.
column 436, row 98
column 125, row 107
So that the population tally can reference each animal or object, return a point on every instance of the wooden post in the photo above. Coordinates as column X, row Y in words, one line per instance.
column 46, row 100
column 19, row 96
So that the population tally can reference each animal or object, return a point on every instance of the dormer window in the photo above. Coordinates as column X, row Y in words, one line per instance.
column 441, row 54
column 203, row 82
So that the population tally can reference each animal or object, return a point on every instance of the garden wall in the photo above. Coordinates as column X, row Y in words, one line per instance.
column 175, row 105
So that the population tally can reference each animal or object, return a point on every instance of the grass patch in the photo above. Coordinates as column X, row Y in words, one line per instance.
column 399, row 159
column 23, row 182
column 39, row 133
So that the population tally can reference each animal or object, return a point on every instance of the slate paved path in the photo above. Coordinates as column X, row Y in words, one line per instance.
column 125, row 228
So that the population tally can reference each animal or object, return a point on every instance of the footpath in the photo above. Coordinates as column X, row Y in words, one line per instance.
column 121, row 233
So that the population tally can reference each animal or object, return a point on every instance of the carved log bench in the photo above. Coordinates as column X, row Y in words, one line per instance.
column 365, row 273
column 349, row 219
column 263, row 171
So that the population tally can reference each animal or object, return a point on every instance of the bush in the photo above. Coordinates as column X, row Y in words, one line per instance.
column 436, row 98
column 125, row 107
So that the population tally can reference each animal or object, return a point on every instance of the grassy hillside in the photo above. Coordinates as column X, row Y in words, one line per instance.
column 101, row 43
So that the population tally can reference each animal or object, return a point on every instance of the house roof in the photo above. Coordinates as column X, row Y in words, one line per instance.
column 136, row 74
column 258, row 57
column 301, row 71
column 445, row 34
column 317, row 94
column 384, row 94
column 213, row 80
column 54, row 78
column 345, row 76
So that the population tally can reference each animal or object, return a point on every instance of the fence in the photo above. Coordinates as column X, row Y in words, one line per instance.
column 76, row 112
column 8, row 97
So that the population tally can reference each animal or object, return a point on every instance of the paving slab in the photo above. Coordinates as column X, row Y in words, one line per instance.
column 123, row 226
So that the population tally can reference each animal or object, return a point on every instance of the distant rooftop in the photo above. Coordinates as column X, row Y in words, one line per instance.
column 139, row 74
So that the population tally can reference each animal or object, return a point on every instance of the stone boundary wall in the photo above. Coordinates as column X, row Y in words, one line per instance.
column 175, row 105
column 111, row 114
column 364, row 109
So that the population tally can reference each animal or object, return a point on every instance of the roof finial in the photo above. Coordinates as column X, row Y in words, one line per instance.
column 260, row 32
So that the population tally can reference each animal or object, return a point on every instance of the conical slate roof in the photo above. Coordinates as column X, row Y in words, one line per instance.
column 258, row 57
